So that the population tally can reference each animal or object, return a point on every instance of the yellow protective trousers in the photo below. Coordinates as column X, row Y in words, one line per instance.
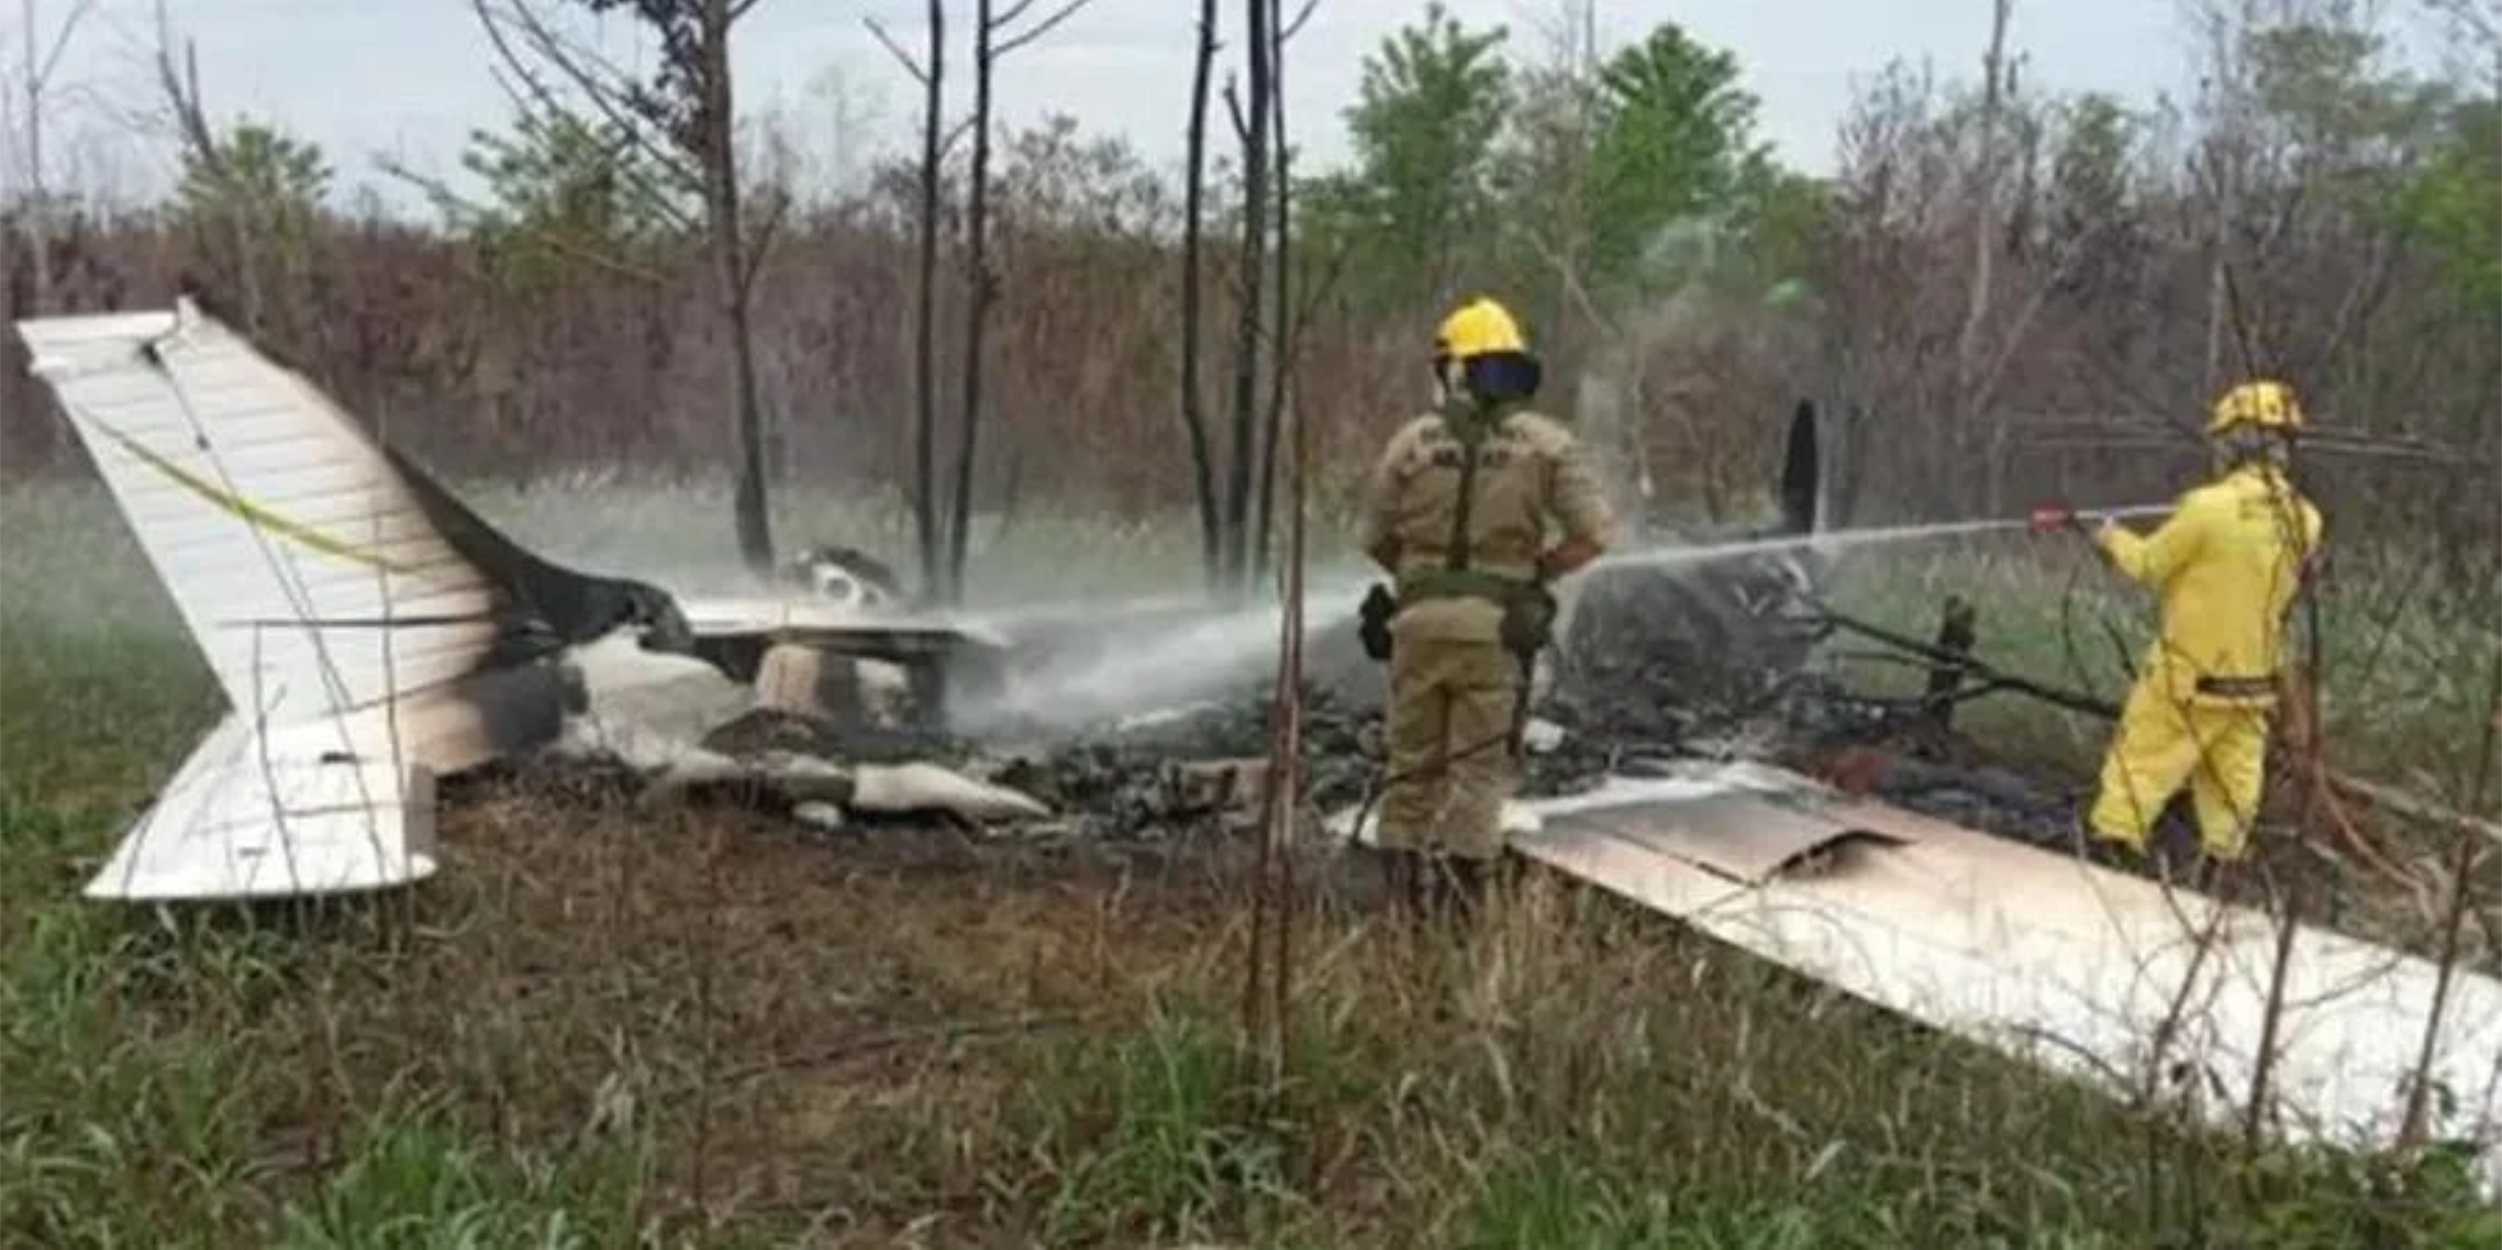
column 2219, row 749
column 1451, row 763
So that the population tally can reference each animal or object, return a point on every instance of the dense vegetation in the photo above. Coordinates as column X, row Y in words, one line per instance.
column 2000, row 293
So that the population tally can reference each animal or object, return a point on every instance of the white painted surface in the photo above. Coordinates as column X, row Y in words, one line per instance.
column 253, row 598
column 928, row 787
column 253, row 815
column 2076, row 967
column 317, row 781
column 753, row 614
column 637, row 691
column 287, row 540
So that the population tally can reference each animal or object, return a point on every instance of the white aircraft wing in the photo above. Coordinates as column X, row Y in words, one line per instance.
column 2043, row 957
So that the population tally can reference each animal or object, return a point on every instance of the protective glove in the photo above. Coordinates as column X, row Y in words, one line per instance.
column 1528, row 621
column 1373, row 624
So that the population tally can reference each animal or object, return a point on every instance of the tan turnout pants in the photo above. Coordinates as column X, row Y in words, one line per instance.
column 1451, row 763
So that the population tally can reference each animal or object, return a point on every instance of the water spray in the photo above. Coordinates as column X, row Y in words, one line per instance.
column 1143, row 658
column 1843, row 540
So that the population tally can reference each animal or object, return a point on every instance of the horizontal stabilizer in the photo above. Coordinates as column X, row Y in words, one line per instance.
column 286, row 812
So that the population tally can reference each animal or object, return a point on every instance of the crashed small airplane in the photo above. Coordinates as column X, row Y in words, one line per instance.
column 371, row 633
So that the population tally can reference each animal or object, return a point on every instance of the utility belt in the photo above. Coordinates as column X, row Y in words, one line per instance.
column 2238, row 687
column 1529, row 609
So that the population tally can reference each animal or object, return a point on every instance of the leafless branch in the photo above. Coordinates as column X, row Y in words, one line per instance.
column 1233, row 112
column 182, row 94
column 1332, row 268
column 538, row 103
column 2366, row 294
column 955, row 134
column 910, row 66
column 586, row 74
column 1573, row 284
column 60, row 43
column 1300, row 18
column 1989, row 381
column 1037, row 30
column 553, row 241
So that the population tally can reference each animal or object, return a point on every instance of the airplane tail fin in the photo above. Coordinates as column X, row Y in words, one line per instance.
column 301, row 564
column 365, row 628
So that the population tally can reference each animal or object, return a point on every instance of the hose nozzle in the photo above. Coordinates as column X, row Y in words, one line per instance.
column 2050, row 517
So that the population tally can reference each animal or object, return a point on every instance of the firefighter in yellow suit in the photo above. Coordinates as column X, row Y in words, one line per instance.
column 1458, row 511
column 2226, row 567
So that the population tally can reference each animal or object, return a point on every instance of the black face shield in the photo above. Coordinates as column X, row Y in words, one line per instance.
column 1500, row 377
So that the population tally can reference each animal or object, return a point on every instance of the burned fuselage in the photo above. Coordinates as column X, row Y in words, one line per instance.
column 1655, row 638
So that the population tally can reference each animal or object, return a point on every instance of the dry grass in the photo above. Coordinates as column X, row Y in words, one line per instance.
column 695, row 1028
column 606, row 1025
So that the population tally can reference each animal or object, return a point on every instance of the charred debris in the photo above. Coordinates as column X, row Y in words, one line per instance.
column 1654, row 666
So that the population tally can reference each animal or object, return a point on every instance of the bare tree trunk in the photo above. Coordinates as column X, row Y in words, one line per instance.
column 1281, row 330
column 1267, row 991
column 1968, row 352
column 39, row 210
column 981, row 285
column 1194, row 203
column 40, row 65
column 977, row 294
column 2215, row 289
column 182, row 95
column 2223, row 171
column 924, row 364
column 1253, row 125
column 755, row 536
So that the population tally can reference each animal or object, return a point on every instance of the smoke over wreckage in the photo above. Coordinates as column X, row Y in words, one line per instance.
column 372, row 636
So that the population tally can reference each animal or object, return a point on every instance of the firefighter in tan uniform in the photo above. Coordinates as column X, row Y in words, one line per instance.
column 1458, row 511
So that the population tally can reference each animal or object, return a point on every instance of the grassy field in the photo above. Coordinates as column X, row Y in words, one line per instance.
column 2405, row 668
column 611, row 1027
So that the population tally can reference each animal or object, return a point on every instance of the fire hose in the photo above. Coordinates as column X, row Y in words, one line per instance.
column 1994, row 679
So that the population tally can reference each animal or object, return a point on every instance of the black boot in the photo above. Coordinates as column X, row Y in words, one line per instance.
column 1402, row 880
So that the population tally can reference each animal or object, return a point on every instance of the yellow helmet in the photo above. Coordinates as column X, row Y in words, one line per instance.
column 2268, row 405
column 1480, row 327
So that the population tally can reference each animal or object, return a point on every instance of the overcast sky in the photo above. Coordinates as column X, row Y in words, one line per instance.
column 410, row 78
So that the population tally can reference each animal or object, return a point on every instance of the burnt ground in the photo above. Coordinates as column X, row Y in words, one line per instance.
column 1651, row 668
